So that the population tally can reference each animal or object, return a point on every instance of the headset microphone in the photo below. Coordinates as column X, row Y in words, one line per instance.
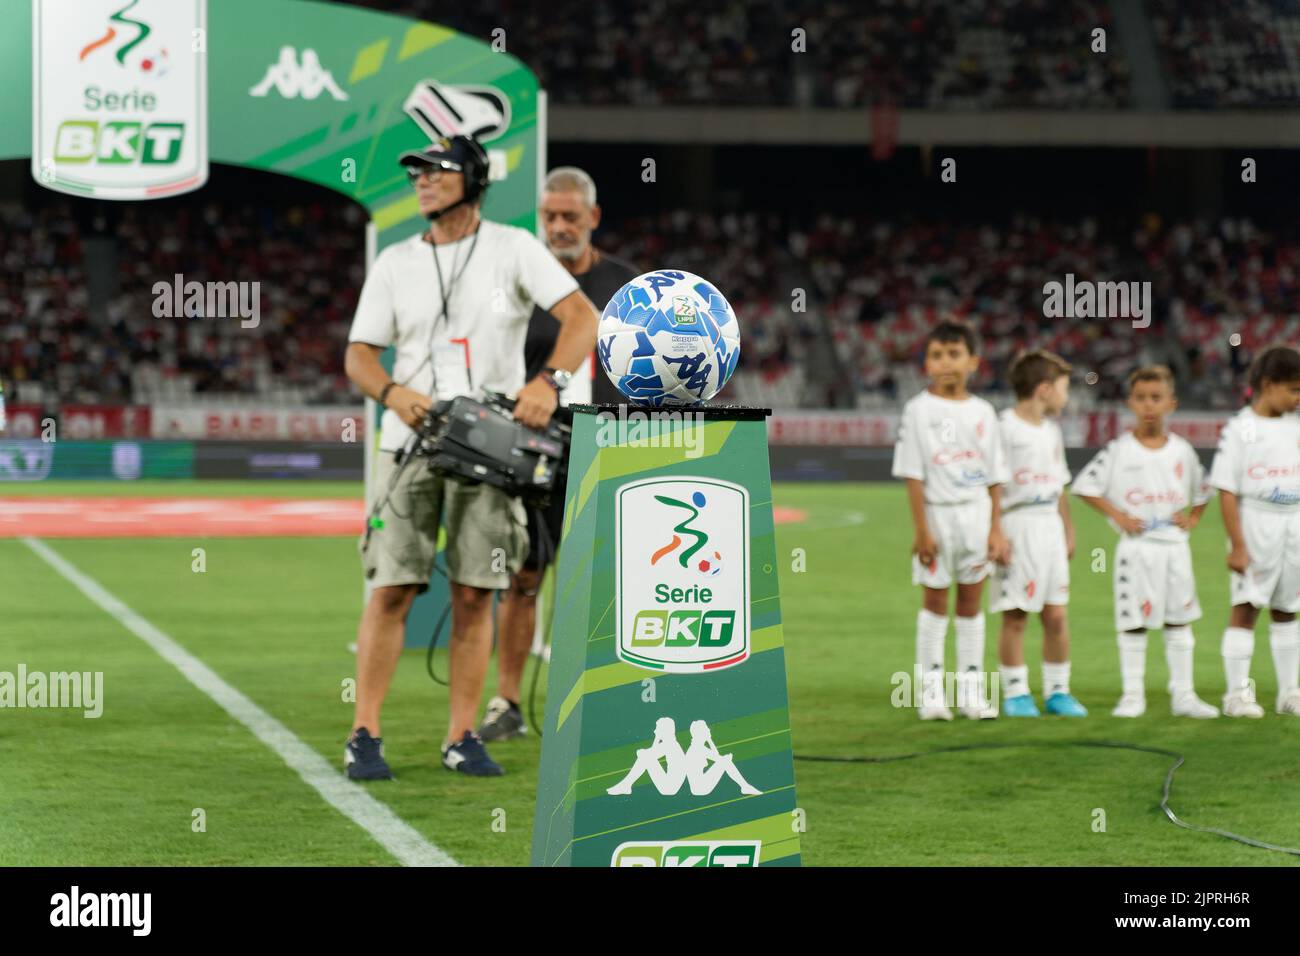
column 437, row 214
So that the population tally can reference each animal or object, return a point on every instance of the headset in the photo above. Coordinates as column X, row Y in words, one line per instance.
column 476, row 170
column 474, row 167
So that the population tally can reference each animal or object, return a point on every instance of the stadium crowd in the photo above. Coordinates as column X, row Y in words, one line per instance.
column 954, row 54
column 308, row 260
column 1229, row 55
column 839, row 303
column 920, row 54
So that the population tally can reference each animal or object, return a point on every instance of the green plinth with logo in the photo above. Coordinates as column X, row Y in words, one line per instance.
column 667, row 679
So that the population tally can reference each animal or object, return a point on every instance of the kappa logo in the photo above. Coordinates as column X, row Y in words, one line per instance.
column 700, row 766
column 682, row 605
column 293, row 79
column 688, row 853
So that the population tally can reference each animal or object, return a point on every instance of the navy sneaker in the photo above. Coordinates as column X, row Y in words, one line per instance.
column 468, row 755
column 363, row 757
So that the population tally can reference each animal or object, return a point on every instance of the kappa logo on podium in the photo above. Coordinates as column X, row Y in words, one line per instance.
column 700, row 766
column 682, row 591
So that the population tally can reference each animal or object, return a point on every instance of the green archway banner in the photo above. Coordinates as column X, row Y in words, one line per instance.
column 131, row 100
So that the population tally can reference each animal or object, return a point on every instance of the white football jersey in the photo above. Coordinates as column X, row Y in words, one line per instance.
column 1153, row 484
column 1035, row 461
column 1259, row 458
column 951, row 445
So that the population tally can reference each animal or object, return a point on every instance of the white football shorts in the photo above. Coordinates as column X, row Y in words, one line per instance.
column 962, row 533
column 1154, row 584
column 1272, row 578
column 1039, row 572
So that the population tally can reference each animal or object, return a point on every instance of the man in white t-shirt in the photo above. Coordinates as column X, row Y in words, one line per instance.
column 454, row 303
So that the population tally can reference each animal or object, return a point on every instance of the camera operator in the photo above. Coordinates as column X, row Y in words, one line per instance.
column 569, row 215
column 455, row 303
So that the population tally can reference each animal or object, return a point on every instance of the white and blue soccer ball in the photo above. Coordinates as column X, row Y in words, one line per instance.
column 668, row 338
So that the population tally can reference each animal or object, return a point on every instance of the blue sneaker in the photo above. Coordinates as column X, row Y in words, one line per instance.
column 1022, row 705
column 1065, row 705
column 468, row 755
column 363, row 757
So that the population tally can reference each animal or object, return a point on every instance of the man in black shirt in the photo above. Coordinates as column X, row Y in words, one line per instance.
column 569, row 215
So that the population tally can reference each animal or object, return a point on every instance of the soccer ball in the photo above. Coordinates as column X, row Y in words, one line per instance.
column 668, row 338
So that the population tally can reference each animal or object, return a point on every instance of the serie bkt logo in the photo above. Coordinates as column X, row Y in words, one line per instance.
column 120, row 96
column 682, row 588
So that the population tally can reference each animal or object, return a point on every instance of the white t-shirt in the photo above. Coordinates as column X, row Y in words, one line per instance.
column 1035, row 461
column 1259, row 459
column 1153, row 484
column 951, row 445
column 489, row 304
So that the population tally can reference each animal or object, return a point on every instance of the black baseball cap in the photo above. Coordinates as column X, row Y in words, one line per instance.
column 452, row 155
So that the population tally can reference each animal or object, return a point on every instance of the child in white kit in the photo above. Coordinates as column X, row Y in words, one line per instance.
column 1036, row 521
column 949, row 454
column 1257, row 472
column 1144, row 482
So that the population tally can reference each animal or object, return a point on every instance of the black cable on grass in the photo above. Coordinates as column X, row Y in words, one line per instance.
column 437, row 630
column 532, row 694
column 1179, row 760
column 433, row 643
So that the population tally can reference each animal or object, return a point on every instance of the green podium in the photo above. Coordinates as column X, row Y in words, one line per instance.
column 667, row 731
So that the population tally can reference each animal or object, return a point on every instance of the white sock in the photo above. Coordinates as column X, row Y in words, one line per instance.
column 1285, row 641
column 1056, row 678
column 970, row 654
column 1238, row 648
column 1133, row 663
column 931, row 633
column 1179, row 643
column 970, row 644
column 1015, row 680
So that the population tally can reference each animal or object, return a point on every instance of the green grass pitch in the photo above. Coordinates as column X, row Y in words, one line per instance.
column 274, row 617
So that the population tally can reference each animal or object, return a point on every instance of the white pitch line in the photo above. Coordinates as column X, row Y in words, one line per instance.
column 387, row 829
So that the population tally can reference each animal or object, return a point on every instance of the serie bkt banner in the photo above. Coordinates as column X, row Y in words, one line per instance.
column 119, row 97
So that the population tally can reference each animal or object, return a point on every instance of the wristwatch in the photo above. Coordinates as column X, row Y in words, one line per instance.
column 557, row 378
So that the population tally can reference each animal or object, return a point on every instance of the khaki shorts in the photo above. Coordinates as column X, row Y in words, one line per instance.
column 487, row 532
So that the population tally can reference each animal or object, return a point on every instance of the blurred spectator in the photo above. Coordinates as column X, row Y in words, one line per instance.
column 950, row 54
column 837, row 305
column 1220, row 55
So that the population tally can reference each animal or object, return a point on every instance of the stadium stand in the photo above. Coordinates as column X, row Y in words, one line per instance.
column 970, row 54
column 870, row 288
column 1229, row 55
column 308, row 259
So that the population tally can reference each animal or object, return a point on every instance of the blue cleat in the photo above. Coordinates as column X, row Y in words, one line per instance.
column 1021, row 705
column 1065, row 705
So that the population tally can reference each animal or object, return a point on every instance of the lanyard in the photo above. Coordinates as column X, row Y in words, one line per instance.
column 446, row 288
